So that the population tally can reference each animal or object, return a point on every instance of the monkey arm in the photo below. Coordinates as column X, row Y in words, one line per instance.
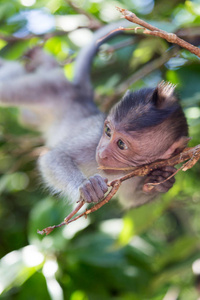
column 40, row 81
column 37, row 59
column 10, row 69
column 61, row 174
column 70, row 167
column 35, row 88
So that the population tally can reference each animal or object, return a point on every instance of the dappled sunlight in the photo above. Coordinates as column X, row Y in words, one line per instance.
column 17, row 266
column 112, row 227
column 27, row 2
column 69, row 23
column 31, row 256
column 54, row 289
column 81, row 37
column 193, row 112
column 142, row 245
column 49, row 269
column 196, row 267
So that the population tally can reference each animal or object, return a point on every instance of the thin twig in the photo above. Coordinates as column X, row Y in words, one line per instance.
column 152, row 30
column 74, row 211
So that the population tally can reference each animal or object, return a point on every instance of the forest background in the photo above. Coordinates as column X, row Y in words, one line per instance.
column 152, row 252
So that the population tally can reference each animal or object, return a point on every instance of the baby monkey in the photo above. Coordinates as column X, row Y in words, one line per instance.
column 145, row 126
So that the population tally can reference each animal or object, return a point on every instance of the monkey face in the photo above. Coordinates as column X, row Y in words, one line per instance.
column 145, row 126
column 116, row 149
column 120, row 149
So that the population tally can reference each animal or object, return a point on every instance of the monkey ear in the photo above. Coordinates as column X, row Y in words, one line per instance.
column 176, row 147
column 163, row 95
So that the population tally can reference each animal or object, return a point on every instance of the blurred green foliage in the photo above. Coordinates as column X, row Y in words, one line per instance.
column 147, row 253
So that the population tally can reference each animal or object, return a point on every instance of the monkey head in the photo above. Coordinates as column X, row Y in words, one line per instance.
column 145, row 126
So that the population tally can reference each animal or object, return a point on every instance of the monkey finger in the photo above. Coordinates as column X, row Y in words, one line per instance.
column 161, row 188
column 164, row 177
column 88, row 193
column 167, row 184
column 156, row 173
column 160, row 178
column 148, row 189
column 152, row 179
column 85, row 195
column 171, row 180
column 165, row 171
column 161, row 173
column 169, row 169
column 97, row 188
column 103, row 183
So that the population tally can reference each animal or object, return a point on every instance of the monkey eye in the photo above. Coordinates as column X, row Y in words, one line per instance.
column 121, row 145
column 107, row 131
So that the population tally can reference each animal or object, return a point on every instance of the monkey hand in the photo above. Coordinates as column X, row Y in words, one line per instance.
column 157, row 176
column 93, row 189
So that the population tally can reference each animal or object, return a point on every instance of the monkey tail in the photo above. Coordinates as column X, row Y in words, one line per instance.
column 86, row 55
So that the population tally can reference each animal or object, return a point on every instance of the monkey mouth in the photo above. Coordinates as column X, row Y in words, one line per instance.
column 108, row 170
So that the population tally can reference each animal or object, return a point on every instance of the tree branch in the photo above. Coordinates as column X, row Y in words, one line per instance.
column 152, row 30
column 191, row 155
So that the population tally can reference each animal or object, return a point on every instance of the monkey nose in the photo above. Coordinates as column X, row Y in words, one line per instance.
column 102, row 154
